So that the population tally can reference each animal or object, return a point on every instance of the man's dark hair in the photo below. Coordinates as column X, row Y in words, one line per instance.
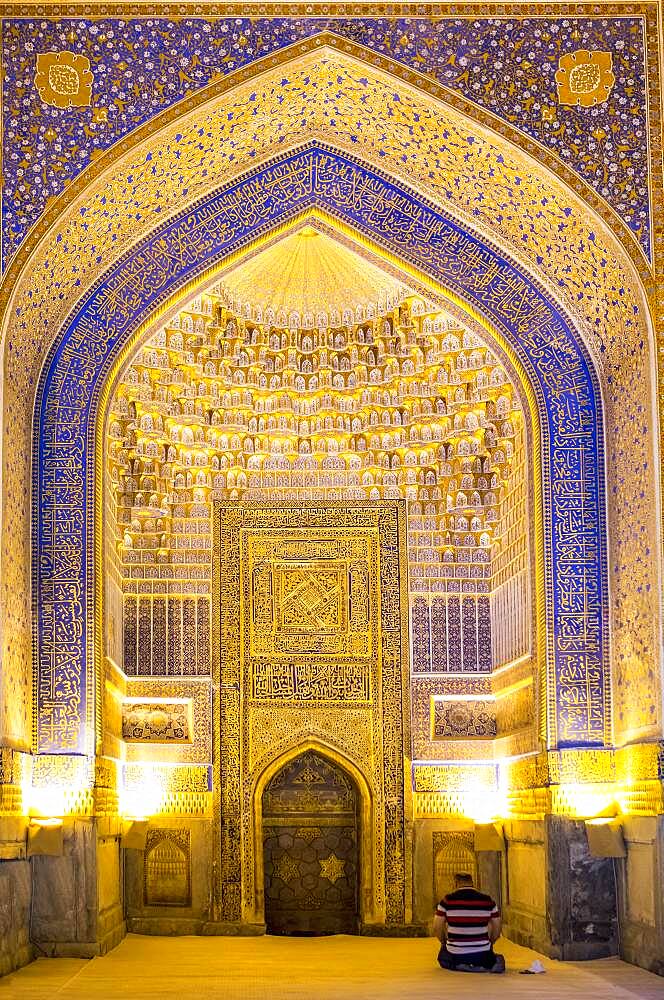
column 463, row 878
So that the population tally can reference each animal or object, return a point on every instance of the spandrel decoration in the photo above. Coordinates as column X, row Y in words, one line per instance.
column 585, row 78
column 63, row 79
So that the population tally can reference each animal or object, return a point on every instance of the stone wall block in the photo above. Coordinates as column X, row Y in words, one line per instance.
column 641, row 875
column 581, row 894
column 15, row 892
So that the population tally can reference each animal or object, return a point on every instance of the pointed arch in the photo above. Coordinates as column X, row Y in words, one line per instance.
column 581, row 263
column 367, row 823
column 182, row 253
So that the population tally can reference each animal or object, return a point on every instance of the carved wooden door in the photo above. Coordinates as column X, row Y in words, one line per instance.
column 310, row 849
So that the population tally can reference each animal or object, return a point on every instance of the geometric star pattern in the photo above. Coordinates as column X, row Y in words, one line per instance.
column 286, row 868
column 332, row 868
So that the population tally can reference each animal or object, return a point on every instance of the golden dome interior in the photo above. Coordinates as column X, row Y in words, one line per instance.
column 265, row 400
column 311, row 277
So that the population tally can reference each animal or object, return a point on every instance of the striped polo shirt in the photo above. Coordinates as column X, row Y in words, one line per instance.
column 467, row 912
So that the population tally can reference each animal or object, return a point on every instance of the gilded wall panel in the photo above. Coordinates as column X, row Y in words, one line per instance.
column 167, row 868
column 309, row 613
column 166, row 635
column 347, row 728
column 443, row 778
column 462, row 720
column 156, row 722
column 166, row 720
column 452, row 717
column 516, row 710
column 268, row 558
column 452, row 852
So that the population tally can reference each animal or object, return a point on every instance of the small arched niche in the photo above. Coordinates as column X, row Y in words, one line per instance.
column 311, row 848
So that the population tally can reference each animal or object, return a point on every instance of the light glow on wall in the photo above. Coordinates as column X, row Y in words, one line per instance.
column 484, row 805
column 55, row 800
column 145, row 797
column 56, row 786
column 584, row 801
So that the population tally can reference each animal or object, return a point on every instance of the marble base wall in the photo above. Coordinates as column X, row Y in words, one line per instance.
column 69, row 905
column 581, row 894
column 77, row 907
column 555, row 897
column 641, row 893
column 524, row 884
column 168, row 886
column 558, row 899
column 15, row 893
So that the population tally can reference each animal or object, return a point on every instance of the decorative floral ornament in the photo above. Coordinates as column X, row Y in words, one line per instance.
column 63, row 79
column 584, row 78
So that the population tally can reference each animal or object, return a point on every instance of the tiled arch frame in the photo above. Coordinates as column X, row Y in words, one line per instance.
column 182, row 251
column 602, row 294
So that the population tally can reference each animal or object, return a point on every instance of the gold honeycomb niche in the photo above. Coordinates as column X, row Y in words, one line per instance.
column 311, row 374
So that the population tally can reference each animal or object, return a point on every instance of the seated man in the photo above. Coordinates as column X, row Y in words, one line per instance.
column 467, row 922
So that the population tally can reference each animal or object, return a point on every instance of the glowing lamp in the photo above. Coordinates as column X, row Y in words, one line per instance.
column 45, row 837
column 484, row 806
column 489, row 837
column 605, row 838
column 134, row 834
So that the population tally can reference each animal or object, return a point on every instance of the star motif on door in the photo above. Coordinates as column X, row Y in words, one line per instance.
column 286, row 868
column 332, row 868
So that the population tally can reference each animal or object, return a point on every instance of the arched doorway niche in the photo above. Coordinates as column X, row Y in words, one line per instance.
column 573, row 719
column 417, row 412
column 200, row 387
column 366, row 829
